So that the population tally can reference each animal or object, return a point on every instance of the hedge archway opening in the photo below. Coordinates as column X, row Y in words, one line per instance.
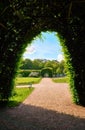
column 27, row 20
column 47, row 72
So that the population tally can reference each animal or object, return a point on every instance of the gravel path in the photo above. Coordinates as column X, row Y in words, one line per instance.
column 49, row 107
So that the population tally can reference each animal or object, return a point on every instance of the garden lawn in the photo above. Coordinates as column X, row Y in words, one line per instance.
column 60, row 80
column 19, row 95
column 27, row 80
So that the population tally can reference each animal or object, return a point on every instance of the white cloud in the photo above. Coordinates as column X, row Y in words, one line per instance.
column 30, row 50
column 60, row 57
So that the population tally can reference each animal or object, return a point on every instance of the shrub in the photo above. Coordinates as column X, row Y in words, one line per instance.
column 24, row 73
column 34, row 74
column 29, row 73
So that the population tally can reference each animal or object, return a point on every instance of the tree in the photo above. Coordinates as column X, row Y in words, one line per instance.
column 61, row 70
column 26, row 64
column 48, row 64
column 55, row 65
column 36, row 64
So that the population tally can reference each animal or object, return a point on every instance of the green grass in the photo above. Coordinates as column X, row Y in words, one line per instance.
column 60, row 80
column 26, row 80
column 19, row 95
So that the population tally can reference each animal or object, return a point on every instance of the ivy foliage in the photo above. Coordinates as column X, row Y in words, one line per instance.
column 22, row 20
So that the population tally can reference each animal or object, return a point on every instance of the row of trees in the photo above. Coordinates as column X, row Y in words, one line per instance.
column 38, row 64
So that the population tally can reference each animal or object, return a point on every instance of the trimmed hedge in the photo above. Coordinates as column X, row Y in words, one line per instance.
column 28, row 73
column 24, row 73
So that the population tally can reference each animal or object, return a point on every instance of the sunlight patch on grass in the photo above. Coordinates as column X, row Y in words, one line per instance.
column 27, row 80
column 19, row 95
column 60, row 80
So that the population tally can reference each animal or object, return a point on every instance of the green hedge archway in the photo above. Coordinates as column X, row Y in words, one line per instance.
column 21, row 21
column 47, row 72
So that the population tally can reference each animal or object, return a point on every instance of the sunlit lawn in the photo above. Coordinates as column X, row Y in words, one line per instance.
column 19, row 95
column 27, row 80
column 60, row 80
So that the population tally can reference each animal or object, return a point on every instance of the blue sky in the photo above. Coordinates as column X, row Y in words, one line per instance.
column 47, row 47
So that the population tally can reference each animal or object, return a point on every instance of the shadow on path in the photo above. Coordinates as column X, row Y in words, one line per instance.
column 27, row 117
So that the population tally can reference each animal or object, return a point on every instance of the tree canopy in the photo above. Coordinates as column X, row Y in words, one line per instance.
column 38, row 64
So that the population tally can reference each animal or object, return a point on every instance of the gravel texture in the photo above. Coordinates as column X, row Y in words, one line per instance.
column 49, row 107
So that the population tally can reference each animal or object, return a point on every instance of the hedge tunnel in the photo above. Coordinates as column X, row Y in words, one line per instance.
column 22, row 20
column 47, row 72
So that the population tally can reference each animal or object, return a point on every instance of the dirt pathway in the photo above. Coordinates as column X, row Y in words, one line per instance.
column 49, row 107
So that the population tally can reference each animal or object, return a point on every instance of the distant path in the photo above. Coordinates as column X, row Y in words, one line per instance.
column 49, row 107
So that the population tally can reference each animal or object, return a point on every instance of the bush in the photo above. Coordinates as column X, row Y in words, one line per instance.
column 24, row 73
column 29, row 73
column 34, row 74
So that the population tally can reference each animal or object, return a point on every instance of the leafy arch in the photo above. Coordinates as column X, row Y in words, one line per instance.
column 28, row 19
column 47, row 72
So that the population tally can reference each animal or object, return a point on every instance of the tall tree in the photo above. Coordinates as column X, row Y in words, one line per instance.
column 27, row 64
